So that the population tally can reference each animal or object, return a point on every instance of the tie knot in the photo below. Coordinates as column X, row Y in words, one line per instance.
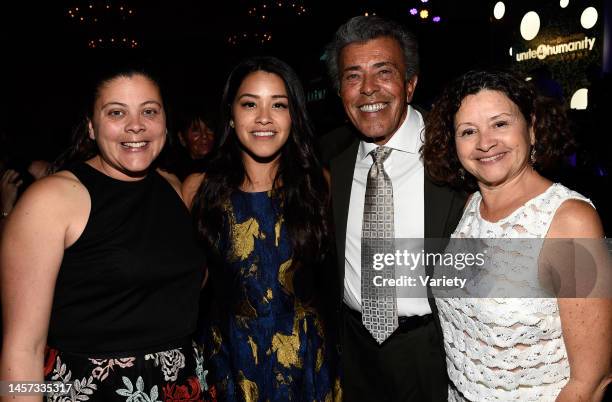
column 380, row 154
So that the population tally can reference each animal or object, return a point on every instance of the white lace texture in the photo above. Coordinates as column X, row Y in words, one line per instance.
column 507, row 349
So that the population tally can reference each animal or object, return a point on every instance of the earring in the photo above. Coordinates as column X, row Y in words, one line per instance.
column 232, row 123
column 461, row 174
column 532, row 156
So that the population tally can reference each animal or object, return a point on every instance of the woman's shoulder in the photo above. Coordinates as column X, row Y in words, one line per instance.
column 575, row 216
column 561, row 193
column 56, row 203
column 190, row 187
column 61, row 186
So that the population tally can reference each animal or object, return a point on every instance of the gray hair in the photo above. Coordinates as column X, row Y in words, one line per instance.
column 362, row 29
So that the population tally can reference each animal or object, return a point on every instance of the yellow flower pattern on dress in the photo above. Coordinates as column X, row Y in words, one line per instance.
column 250, row 391
column 270, row 340
column 285, row 276
column 277, row 230
column 287, row 347
column 244, row 235
column 253, row 346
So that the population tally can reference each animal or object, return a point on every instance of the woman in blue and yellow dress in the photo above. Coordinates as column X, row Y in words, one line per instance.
column 261, row 211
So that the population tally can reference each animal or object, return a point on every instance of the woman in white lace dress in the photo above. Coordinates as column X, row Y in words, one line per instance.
column 488, row 130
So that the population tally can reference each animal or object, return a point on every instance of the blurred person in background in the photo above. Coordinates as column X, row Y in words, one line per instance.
column 193, row 140
column 15, row 175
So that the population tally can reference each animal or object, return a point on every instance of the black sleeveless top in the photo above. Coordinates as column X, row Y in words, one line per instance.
column 131, row 282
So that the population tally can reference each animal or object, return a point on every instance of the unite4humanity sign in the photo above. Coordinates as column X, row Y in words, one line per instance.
column 545, row 50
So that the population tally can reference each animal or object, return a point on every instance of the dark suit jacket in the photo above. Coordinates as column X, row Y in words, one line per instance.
column 443, row 206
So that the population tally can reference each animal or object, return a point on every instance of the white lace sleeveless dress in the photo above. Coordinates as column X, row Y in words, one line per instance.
column 506, row 349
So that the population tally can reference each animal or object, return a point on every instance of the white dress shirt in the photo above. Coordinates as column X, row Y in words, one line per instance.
column 405, row 169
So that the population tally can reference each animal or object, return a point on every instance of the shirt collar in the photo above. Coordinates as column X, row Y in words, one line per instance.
column 407, row 138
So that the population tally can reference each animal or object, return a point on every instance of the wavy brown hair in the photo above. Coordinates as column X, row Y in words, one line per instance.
column 552, row 134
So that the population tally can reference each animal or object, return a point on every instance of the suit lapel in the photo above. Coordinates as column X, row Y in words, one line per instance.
column 442, row 212
column 438, row 201
column 342, row 168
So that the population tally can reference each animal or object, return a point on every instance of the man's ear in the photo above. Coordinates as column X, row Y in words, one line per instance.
column 410, row 87
column 90, row 130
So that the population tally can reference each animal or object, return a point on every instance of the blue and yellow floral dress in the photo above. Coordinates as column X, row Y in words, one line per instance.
column 269, row 346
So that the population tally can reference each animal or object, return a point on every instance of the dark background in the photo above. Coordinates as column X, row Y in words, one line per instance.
column 47, row 54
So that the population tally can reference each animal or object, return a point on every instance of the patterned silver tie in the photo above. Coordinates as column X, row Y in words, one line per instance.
column 378, row 303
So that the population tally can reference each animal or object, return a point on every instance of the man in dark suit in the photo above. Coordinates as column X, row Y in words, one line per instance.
column 374, row 64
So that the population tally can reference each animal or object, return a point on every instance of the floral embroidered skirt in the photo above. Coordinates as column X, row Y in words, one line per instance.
column 170, row 376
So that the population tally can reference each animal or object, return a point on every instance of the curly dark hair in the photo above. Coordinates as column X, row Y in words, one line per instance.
column 299, row 182
column 552, row 133
column 362, row 29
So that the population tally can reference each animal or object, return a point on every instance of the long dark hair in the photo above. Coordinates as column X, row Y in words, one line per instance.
column 299, row 182
column 82, row 147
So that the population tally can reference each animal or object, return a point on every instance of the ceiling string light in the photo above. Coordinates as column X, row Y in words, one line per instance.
column 98, row 19
column 266, row 10
column 262, row 15
column 92, row 13
column 261, row 38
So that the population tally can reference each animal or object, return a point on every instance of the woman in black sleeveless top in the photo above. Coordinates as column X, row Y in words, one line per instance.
column 99, row 264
